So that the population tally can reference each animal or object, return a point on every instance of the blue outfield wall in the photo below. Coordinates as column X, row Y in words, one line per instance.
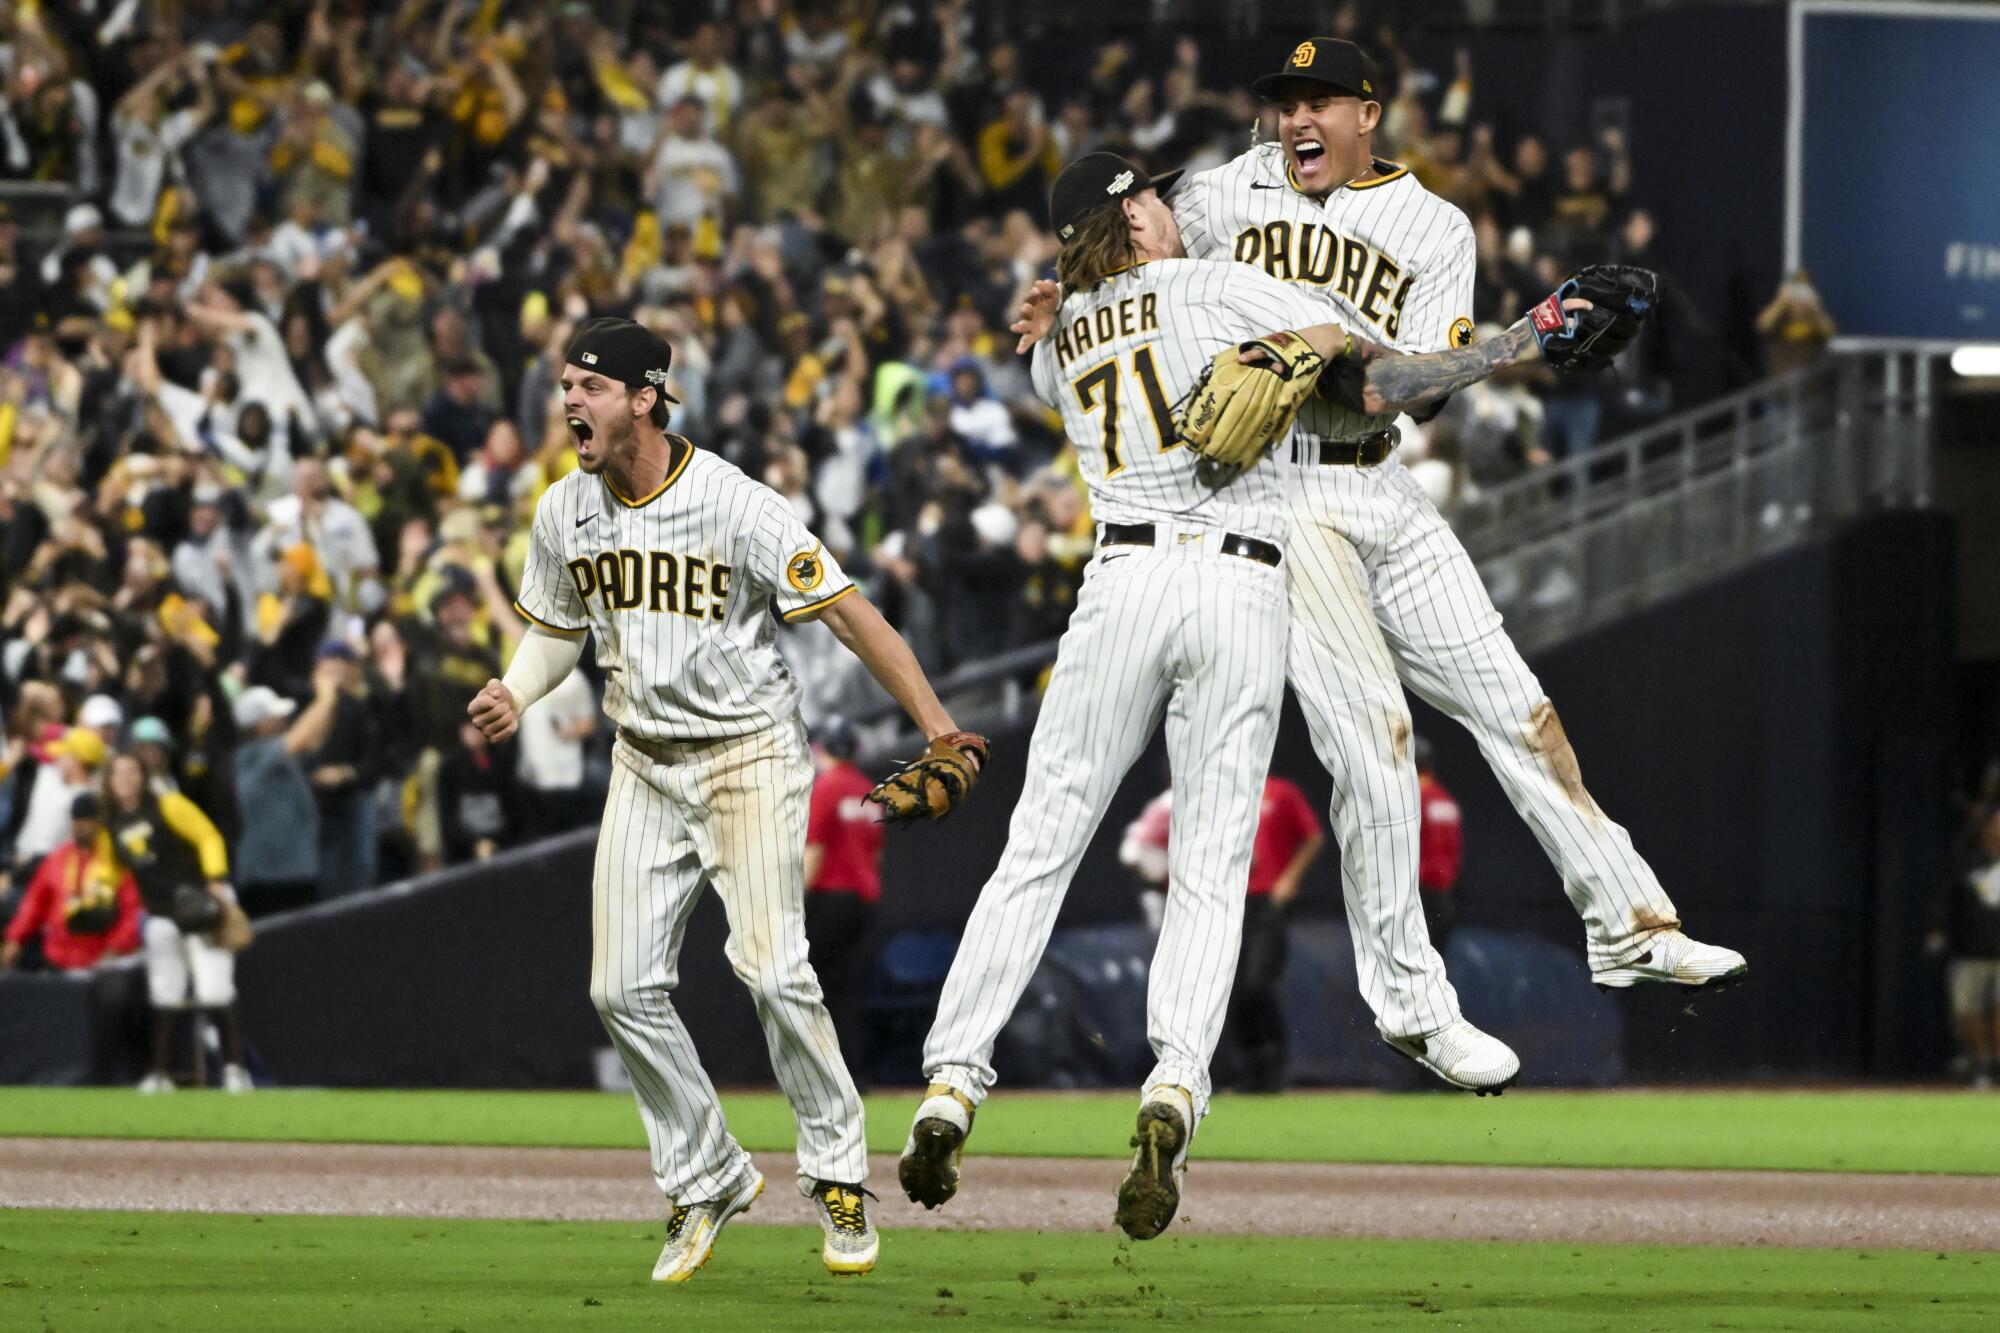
column 1775, row 741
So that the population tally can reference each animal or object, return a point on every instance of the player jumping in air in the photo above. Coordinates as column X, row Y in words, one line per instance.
column 1382, row 593
column 1182, row 617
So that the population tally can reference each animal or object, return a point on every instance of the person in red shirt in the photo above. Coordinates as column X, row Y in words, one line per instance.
column 82, row 905
column 1440, row 844
column 843, row 883
column 1288, row 838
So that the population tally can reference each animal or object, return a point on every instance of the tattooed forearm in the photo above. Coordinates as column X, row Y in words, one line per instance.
column 1400, row 382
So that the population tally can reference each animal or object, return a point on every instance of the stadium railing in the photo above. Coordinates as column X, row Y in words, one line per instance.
column 1570, row 546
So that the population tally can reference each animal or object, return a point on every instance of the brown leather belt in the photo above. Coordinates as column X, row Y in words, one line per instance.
column 1364, row 452
column 1141, row 534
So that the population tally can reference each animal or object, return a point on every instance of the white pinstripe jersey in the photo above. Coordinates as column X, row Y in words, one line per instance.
column 1121, row 355
column 1394, row 261
column 683, row 591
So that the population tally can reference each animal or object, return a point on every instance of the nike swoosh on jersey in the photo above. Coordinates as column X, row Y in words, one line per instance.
column 585, row 519
column 1260, row 185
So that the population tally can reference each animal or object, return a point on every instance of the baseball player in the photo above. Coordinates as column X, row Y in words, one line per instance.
column 680, row 566
column 1380, row 587
column 1182, row 616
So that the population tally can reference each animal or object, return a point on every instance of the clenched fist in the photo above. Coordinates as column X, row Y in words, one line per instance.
column 494, row 712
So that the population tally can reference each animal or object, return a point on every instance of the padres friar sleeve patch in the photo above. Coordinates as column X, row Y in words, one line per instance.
column 1461, row 332
column 805, row 571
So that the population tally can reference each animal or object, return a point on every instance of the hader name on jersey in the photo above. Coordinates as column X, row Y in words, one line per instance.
column 1130, row 317
column 628, row 580
column 1373, row 283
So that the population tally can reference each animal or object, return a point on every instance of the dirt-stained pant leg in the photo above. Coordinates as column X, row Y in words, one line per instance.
column 745, row 806
column 1452, row 650
column 1346, row 682
column 643, row 887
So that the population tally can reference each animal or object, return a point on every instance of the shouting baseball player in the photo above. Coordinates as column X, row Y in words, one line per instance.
column 680, row 566
column 1380, row 587
column 1182, row 616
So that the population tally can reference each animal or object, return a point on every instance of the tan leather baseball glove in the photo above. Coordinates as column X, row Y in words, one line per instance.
column 1238, row 409
column 935, row 783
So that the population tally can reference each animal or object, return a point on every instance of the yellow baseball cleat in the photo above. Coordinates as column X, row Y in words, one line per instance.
column 851, row 1242
column 693, row 1227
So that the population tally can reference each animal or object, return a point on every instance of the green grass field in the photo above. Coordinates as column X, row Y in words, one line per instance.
column 1799, row 1131
column 217, row 1273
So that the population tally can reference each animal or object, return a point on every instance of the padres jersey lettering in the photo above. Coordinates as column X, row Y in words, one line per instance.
column 1392, row 261
column 680, row 589
column 653, row 581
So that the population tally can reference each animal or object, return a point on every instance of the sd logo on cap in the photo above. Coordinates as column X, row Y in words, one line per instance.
column 1332, row 64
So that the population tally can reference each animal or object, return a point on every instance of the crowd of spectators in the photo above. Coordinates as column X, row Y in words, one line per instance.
column 277, row 382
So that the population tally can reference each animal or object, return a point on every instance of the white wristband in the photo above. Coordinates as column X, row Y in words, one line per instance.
column 542, row 662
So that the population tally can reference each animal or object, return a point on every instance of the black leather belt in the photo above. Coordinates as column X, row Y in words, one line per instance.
column 1364, row 452
column 1141, row 534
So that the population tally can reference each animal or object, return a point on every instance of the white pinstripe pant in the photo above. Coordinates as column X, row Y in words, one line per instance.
column 1175, row 630
column 731, row 814
column 1382, row 589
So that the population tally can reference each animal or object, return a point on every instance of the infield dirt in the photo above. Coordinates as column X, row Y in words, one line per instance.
column 1222, row 1198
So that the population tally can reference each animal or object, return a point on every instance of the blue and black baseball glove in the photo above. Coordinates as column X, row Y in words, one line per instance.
column 1622, row 299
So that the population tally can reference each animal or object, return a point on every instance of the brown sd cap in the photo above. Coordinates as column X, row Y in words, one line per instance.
column 1328, row 61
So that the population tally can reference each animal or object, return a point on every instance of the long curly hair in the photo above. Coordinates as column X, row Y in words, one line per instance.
column 1102, row 246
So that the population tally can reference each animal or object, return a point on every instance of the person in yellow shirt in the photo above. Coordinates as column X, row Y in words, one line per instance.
column 1017, row 158
column 314, row 158
column 1795, row 326
column 193, row 924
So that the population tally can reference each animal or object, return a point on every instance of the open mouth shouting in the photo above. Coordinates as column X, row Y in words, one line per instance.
column 1309, row 160
column 583, row 435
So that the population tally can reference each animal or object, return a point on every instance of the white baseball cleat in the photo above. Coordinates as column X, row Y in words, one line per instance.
column 1464, row 1057
column 153, row 1083
column 851, row 1242
column 235, row 1078
column 692, row 1228
column 929, row 1169
column 1674, row 958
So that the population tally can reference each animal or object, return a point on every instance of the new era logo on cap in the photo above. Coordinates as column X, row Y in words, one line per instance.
column 1119, row 183
column 589, row 358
